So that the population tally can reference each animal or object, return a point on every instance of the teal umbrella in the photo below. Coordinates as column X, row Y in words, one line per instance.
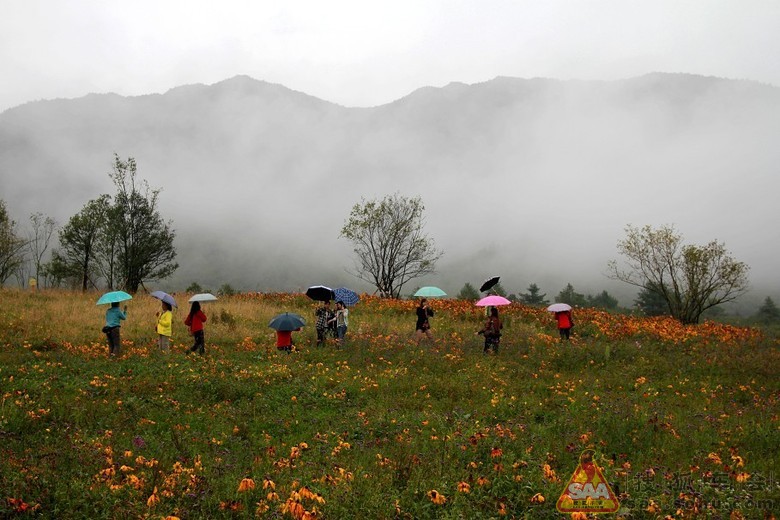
column 430, row 292
column 115, row 296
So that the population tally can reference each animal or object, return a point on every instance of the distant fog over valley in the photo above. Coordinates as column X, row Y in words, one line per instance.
column 531, row 179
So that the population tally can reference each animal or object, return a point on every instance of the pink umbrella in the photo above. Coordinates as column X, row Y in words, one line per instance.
column 492, row 301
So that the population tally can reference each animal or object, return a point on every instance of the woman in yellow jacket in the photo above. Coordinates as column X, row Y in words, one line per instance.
column 164, row 327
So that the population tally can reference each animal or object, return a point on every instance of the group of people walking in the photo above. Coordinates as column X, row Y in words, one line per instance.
column 328, row 322
column 163, row 327
column 331, row 322
column 492, row 328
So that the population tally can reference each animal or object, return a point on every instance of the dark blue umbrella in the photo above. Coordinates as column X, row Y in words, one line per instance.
column 348, row 296
column 164, row 297
column 287, row 321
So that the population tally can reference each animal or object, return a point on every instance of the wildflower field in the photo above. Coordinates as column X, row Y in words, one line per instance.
column 684, row 421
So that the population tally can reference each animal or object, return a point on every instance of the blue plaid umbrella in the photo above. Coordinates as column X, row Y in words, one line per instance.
column 348, row 296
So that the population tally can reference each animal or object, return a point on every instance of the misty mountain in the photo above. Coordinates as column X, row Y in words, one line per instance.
column 532, row 179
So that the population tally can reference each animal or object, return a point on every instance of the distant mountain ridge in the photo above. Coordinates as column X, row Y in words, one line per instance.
column 556, row 166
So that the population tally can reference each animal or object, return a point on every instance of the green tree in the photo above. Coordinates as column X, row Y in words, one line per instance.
column 226, row 290
column 11, row 245
column 194, row 287
column 498, row 289
column 468, row 292
column 78, row 253
column 651, row 302
column 603, row 300
column 570, row 296
column 768, row 312
column 690, row 278
column 532, row 297
column 145, row 240
column 389, row 242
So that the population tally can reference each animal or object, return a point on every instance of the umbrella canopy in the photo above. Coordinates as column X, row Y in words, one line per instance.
column 559, row 307
column 203, row 297
column 164, row 297
column 320, row 293
column 430, row 292
column 488, row 284
column 348, row 296
column 113, row 297
column 493, row 301
column 287, row 321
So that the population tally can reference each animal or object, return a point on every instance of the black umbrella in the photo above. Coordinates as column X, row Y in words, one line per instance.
column 320, row 293
column 489, row 283
column 287, row 321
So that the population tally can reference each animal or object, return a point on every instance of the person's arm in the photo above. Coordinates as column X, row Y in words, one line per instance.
column 166, row 320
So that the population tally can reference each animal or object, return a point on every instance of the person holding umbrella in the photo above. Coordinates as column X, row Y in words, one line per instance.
column 423, row 326
column 164, row 327
column 324, row 315
column 565, row 323
column 195, row 320
column 492, row 331
column 341, row 321
column 285, row 324
column 114, row 318
column 562, row 312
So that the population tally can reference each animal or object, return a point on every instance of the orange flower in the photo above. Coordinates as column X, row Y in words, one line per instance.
column 153, row 499
column 496, row 452
column 436, row 497
column 246, row 484
column 537, row 499
column 578, row 515
column 652, row 507
column 464, row 487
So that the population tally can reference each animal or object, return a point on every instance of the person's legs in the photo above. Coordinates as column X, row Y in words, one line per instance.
column 115, row 341
column 165, row 343
column 341, row 331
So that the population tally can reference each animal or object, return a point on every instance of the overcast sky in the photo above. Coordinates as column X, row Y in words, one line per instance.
column 365, row 53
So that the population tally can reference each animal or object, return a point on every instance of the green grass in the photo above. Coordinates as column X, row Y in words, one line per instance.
column 372, row 428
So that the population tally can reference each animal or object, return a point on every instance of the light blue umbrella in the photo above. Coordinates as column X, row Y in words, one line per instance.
column 430, row 292
column 203, row 297
column 165, row 297
column 114, row 296
column 348, row 296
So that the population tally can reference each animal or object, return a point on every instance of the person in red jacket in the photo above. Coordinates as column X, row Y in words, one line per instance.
column 284, row 341
column 194, row 321
column 565, row 323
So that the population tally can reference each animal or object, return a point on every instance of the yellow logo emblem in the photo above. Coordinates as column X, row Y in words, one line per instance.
column 587, row 491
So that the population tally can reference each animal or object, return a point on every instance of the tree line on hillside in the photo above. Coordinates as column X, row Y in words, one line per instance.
column 391, row 249
column 115, row 242
column 121, row 241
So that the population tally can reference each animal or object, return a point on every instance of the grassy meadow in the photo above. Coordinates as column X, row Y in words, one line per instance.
column 684, row 421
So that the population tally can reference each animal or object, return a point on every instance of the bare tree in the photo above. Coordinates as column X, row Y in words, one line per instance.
column 690, row 278
column 389, row 242
column 42, row 228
